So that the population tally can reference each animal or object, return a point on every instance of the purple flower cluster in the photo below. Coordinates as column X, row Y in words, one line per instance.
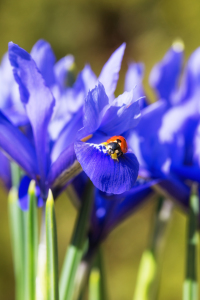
column 43, row 122
column 55, row 131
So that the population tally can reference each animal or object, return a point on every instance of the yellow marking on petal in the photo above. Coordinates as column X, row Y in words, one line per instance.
column 85, row 139
column 104, row 143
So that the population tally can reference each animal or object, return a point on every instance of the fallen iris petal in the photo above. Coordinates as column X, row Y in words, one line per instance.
column 107, row 174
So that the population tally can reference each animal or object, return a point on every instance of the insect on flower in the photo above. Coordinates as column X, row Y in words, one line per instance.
column 116, row 146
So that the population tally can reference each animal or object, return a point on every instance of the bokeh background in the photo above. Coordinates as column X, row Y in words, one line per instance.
column 91, row 30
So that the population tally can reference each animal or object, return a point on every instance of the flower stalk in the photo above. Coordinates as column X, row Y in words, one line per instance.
column 76, row 248
column 52, row 250
column 17, row 218
column 147, row 284
column 190, row 287
column 32, row 242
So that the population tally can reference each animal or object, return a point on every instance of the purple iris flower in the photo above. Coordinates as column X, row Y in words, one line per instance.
column 102, row 120
column 34, row 154
column 49, row 157
column 182, row 120
column 155, row 155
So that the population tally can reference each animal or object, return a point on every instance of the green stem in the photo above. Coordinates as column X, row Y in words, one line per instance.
column 32, row 242
column 52, row 250
column 15, row 174
column 41, row 281
column 100, row 265
column 147, row 283
column 190, row 287
column 76, row 248
column 94, row 284
column 16, row 216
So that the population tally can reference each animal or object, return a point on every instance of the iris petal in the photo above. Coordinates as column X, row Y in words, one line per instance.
column 107, row 175
column 17, row 146
column 89, row 78
column 66, row 167
column 191, row 78
column 110, row 72
column 38, row 99
column 45, row 60
column 95, row 103
column 165, row 74
column 62, row 68
column 122, row 115
column 133, row 79
column 67, row 136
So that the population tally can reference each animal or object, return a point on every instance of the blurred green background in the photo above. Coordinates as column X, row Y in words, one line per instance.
column 91, row 31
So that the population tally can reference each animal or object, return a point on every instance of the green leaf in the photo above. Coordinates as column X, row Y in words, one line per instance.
column 145, row 276
column 76, row 248
column 52, row 251
column 190, row 287
column 15, row 174
column 32, row 242
column 148, row 278
column 17, row 219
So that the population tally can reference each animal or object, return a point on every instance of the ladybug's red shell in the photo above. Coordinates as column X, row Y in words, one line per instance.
column 120, row 140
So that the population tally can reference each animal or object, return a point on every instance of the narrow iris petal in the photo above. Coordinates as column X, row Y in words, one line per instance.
column 67, row 136
column 17, row 146
column 39, row 101
column 95, row 103
column 176, row 118
column 62, row 68
column 164, row 76
column 107, row 174
column 10, row 103
column 89, row 78
column 110, row 72
column 133, row 79
column 122, row 115
column 45, row 59
column 191, row 79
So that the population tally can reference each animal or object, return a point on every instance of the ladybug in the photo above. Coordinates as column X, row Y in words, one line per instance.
column 116, row 146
